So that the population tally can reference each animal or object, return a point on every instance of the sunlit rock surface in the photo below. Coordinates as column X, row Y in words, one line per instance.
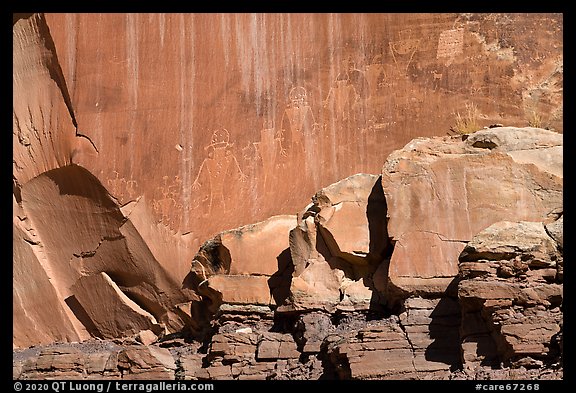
column 139, row 140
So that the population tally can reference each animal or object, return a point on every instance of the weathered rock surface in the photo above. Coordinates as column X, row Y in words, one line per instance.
column 377, row 353
column 422, row 343
column 432, row 328
column 355, row 103
column 556, row 231
column 95, row 259
column 508, row 315
column 442, row 191
column 311, row 329
column 298, row 112
column 162, row 148
column 88, row 360
column 147, row 362
column 339, row 242
column 97, row 360
column 528, row 145
column 111, row 312
column 511, row 294
column 44, row 135
column 71, row 232
column 276, row 346
column 245, row 266
column 247, row 354
column 318, row 303
column 35, row 301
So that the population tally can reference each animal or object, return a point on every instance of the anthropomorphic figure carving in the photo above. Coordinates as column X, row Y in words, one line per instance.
column 217, row 166
column 270, row 150
column 375, row 76
column 349, row 88
column 297, row 120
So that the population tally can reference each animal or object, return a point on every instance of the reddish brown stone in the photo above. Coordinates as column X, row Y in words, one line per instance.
column 197, row 123
column 441, row 191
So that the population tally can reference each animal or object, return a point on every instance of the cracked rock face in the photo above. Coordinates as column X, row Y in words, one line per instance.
column 446, row 263
column 333, row 266
column 511, row 294
column 442, row 191
column 96, row 261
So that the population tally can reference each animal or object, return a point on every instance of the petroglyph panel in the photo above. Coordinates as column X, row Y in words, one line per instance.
column 219, row 164
column 120, row 187
column 167, row 201
column 220, row 120
column 450, row 44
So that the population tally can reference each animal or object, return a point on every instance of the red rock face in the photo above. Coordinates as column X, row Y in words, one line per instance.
column 137, row 137
column 221, row 120
column 442, row 191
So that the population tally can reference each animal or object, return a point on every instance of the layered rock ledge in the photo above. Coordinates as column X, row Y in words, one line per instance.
column 447, row 265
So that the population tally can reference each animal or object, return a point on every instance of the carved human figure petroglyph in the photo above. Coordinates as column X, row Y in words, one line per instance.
column 404, row 47
column 121, row 186
column 269, row 149
column 375, row 75
column 299, row 132
column 167, row 205
column 436, row 78
column 341, row 98
column 349, row 88
column 219, row 162
column 297, row 120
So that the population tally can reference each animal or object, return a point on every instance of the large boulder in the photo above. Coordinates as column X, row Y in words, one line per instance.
column 87, row 247
column 339, row 242
column 527, row 145
column 249, row 265
column 110, row 311
column 442, row 191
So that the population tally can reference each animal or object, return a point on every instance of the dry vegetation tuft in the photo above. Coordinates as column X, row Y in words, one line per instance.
column 468, row 122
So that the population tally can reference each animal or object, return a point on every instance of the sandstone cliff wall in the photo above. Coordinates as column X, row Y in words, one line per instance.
column 137, row 137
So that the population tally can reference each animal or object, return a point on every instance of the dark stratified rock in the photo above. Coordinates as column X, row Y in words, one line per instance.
column 511, row 312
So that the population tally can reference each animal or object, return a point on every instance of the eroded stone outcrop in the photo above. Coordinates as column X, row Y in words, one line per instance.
column 511, row 295
column 97, row 360
column 327, row 255
column 421, row 343
column 97, row 263
column 500, row 316
column 338, row 244
column 442, row 191
column 249, row 265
